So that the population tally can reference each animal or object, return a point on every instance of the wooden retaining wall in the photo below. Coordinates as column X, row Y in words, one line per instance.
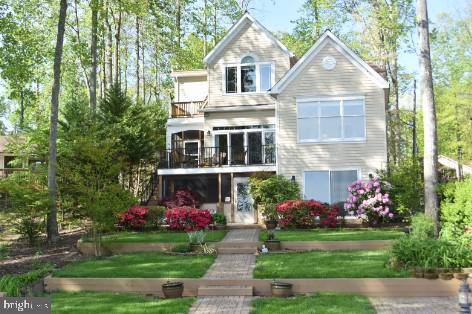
column 87, row 247
column 373, row 287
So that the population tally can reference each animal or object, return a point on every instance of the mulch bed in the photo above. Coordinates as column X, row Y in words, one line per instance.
column 22, row 257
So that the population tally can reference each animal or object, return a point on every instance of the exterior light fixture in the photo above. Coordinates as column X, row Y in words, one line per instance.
column 208, row 133
column 464, row 290
column 293, row 179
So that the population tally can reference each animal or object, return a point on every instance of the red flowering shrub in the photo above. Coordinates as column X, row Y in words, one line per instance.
column 182, row 197
column 300, row 213
column 134, row 217
column 187, row 218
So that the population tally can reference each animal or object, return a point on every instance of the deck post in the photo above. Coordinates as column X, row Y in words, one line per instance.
column 159, row 188
column 220, row 207
column 232, row 197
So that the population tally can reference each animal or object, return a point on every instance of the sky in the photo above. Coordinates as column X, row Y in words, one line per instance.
column 276, row 15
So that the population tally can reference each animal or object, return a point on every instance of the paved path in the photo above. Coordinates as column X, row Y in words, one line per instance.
column 425, row 305
column 229, row 266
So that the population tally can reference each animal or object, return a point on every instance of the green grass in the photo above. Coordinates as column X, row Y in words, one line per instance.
column 158, row 236
column 333, row 234
column 326, row 264
column 115, row 303
column 139, row 265
column 322, row 303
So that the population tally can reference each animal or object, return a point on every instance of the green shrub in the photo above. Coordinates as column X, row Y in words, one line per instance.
column 12, row 284
column 155, row 216
column 422, row 227
column 414, row 252
column 406, row 193
column 181, row 248
column 219, row 218
column 267, row 192
column 456, row 210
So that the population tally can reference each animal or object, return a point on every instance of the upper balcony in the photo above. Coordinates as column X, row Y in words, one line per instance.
column 187, row 109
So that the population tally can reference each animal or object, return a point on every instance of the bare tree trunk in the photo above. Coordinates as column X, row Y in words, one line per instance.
column 415, row 146
column 93, row 53
column 110, row 46
column 137, row 58
column 143, row 72
column 429, row 115
column 178, row 17
column 52, row 230
column 397, row 122
column 205, row 27
column 79, row 41
column 104, row 66
column 117, row 46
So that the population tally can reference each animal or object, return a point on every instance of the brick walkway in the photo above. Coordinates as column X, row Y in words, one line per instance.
column 425, row 305
column 230, row 266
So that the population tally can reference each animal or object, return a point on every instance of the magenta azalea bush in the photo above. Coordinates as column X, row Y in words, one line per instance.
column 370, row 201
column 133, row 218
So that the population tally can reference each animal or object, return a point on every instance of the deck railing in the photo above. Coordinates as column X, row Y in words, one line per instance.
column 218, row 157
column 187, row 109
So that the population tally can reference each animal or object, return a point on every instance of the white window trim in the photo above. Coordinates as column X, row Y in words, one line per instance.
column 304, row 99
column 238, row 77
column 358, row 170
column 245, row 135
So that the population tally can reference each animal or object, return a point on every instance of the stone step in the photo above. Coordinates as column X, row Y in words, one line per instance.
column 218, row 291
column 237, row 250
column 243, row 226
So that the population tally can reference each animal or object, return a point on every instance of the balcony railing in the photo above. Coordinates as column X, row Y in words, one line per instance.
column 218, row 157
column 187, row 108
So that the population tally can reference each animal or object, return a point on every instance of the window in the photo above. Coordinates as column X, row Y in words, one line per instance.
column 231, row 80
column 248, row 77
column 329, row 186
column 331, row 120
column 265, row 76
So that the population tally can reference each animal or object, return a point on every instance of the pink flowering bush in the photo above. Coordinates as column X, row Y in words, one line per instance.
column 370, row 201
column 133, row 218
column 188, row 218
column 182, row 197
column 301, row 213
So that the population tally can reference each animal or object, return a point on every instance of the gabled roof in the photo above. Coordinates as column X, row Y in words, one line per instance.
column 234, row 31
column 315, row 49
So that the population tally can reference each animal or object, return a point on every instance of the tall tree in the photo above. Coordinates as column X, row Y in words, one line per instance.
column 429, row 114
column 52, row 230
column 94, row 5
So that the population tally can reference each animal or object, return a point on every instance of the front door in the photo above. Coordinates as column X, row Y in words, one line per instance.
column 243, row 209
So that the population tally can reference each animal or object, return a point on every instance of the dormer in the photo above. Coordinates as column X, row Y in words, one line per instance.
column 245, row 64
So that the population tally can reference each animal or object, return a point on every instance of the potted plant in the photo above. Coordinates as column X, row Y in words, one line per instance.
column 219, row 220
column 281, row 289
column 173, row 290
column 196, row 239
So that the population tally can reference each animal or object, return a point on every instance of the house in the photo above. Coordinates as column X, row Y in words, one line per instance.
column 7, row 156
column 319, row 121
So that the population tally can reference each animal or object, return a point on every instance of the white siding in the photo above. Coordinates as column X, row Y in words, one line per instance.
column 249, row 40
column 191, row 89
column 346, row 79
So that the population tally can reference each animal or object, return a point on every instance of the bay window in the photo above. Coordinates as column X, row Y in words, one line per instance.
column 331, row 119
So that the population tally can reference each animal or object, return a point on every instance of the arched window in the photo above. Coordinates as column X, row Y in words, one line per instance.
column 248, row 59
column 248, row 74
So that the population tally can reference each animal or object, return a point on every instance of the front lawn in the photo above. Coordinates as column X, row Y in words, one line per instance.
column 139, row 265
column 333, row 234
column 326, row 264
column 158, row 236
column 321, row 303
column 107, row 302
